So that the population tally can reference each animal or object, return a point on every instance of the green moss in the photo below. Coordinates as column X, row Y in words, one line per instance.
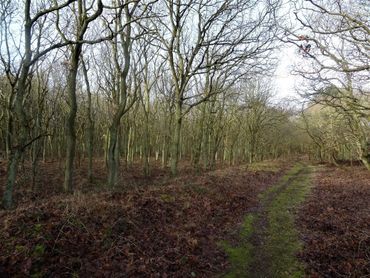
column 20, row 248
column 39, row 250
column 240, row 256
column 167, row 198
column 37, row 275
column 247, row 226
column 37, row 228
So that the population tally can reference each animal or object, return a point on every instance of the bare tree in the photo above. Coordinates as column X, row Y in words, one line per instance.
column 82, row 22
column 333, row 36
column 19, row 75
column 229, row 30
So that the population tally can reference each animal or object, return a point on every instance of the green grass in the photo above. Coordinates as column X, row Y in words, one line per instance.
column 289, row 175
column 240, row 256
column 282, row 242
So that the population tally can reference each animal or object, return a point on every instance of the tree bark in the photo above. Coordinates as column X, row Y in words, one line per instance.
column 176, row 139
column 90, row 127
column 71, row 118
column 113, row 155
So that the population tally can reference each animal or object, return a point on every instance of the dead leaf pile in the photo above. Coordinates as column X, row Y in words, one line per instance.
column 169, row 230
column 335, row 224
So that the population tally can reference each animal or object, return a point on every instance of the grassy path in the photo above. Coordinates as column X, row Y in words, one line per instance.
column 268, row 239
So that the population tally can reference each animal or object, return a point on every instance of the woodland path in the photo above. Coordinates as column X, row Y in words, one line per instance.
column 268, row 240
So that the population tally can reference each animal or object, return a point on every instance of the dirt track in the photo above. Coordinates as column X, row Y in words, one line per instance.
column 270, row 240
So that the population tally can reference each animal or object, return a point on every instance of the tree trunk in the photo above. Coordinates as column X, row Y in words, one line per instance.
column 129, row 147
column 36, row 150
column 176, row 139
column 121, row 99
column 9, row 131
column 146, row 151
column 90, row 127
column 11, row 176
column 71, row 118
column 16, row 152
column 147, row 133
column 365, row 154
column 113, row 158
column 199, row 139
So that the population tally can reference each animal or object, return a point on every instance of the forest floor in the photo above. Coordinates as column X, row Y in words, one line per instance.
column 239, row 221
column 334, row 223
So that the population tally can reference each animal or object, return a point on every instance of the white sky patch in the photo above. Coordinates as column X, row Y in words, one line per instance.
column 284, row 81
